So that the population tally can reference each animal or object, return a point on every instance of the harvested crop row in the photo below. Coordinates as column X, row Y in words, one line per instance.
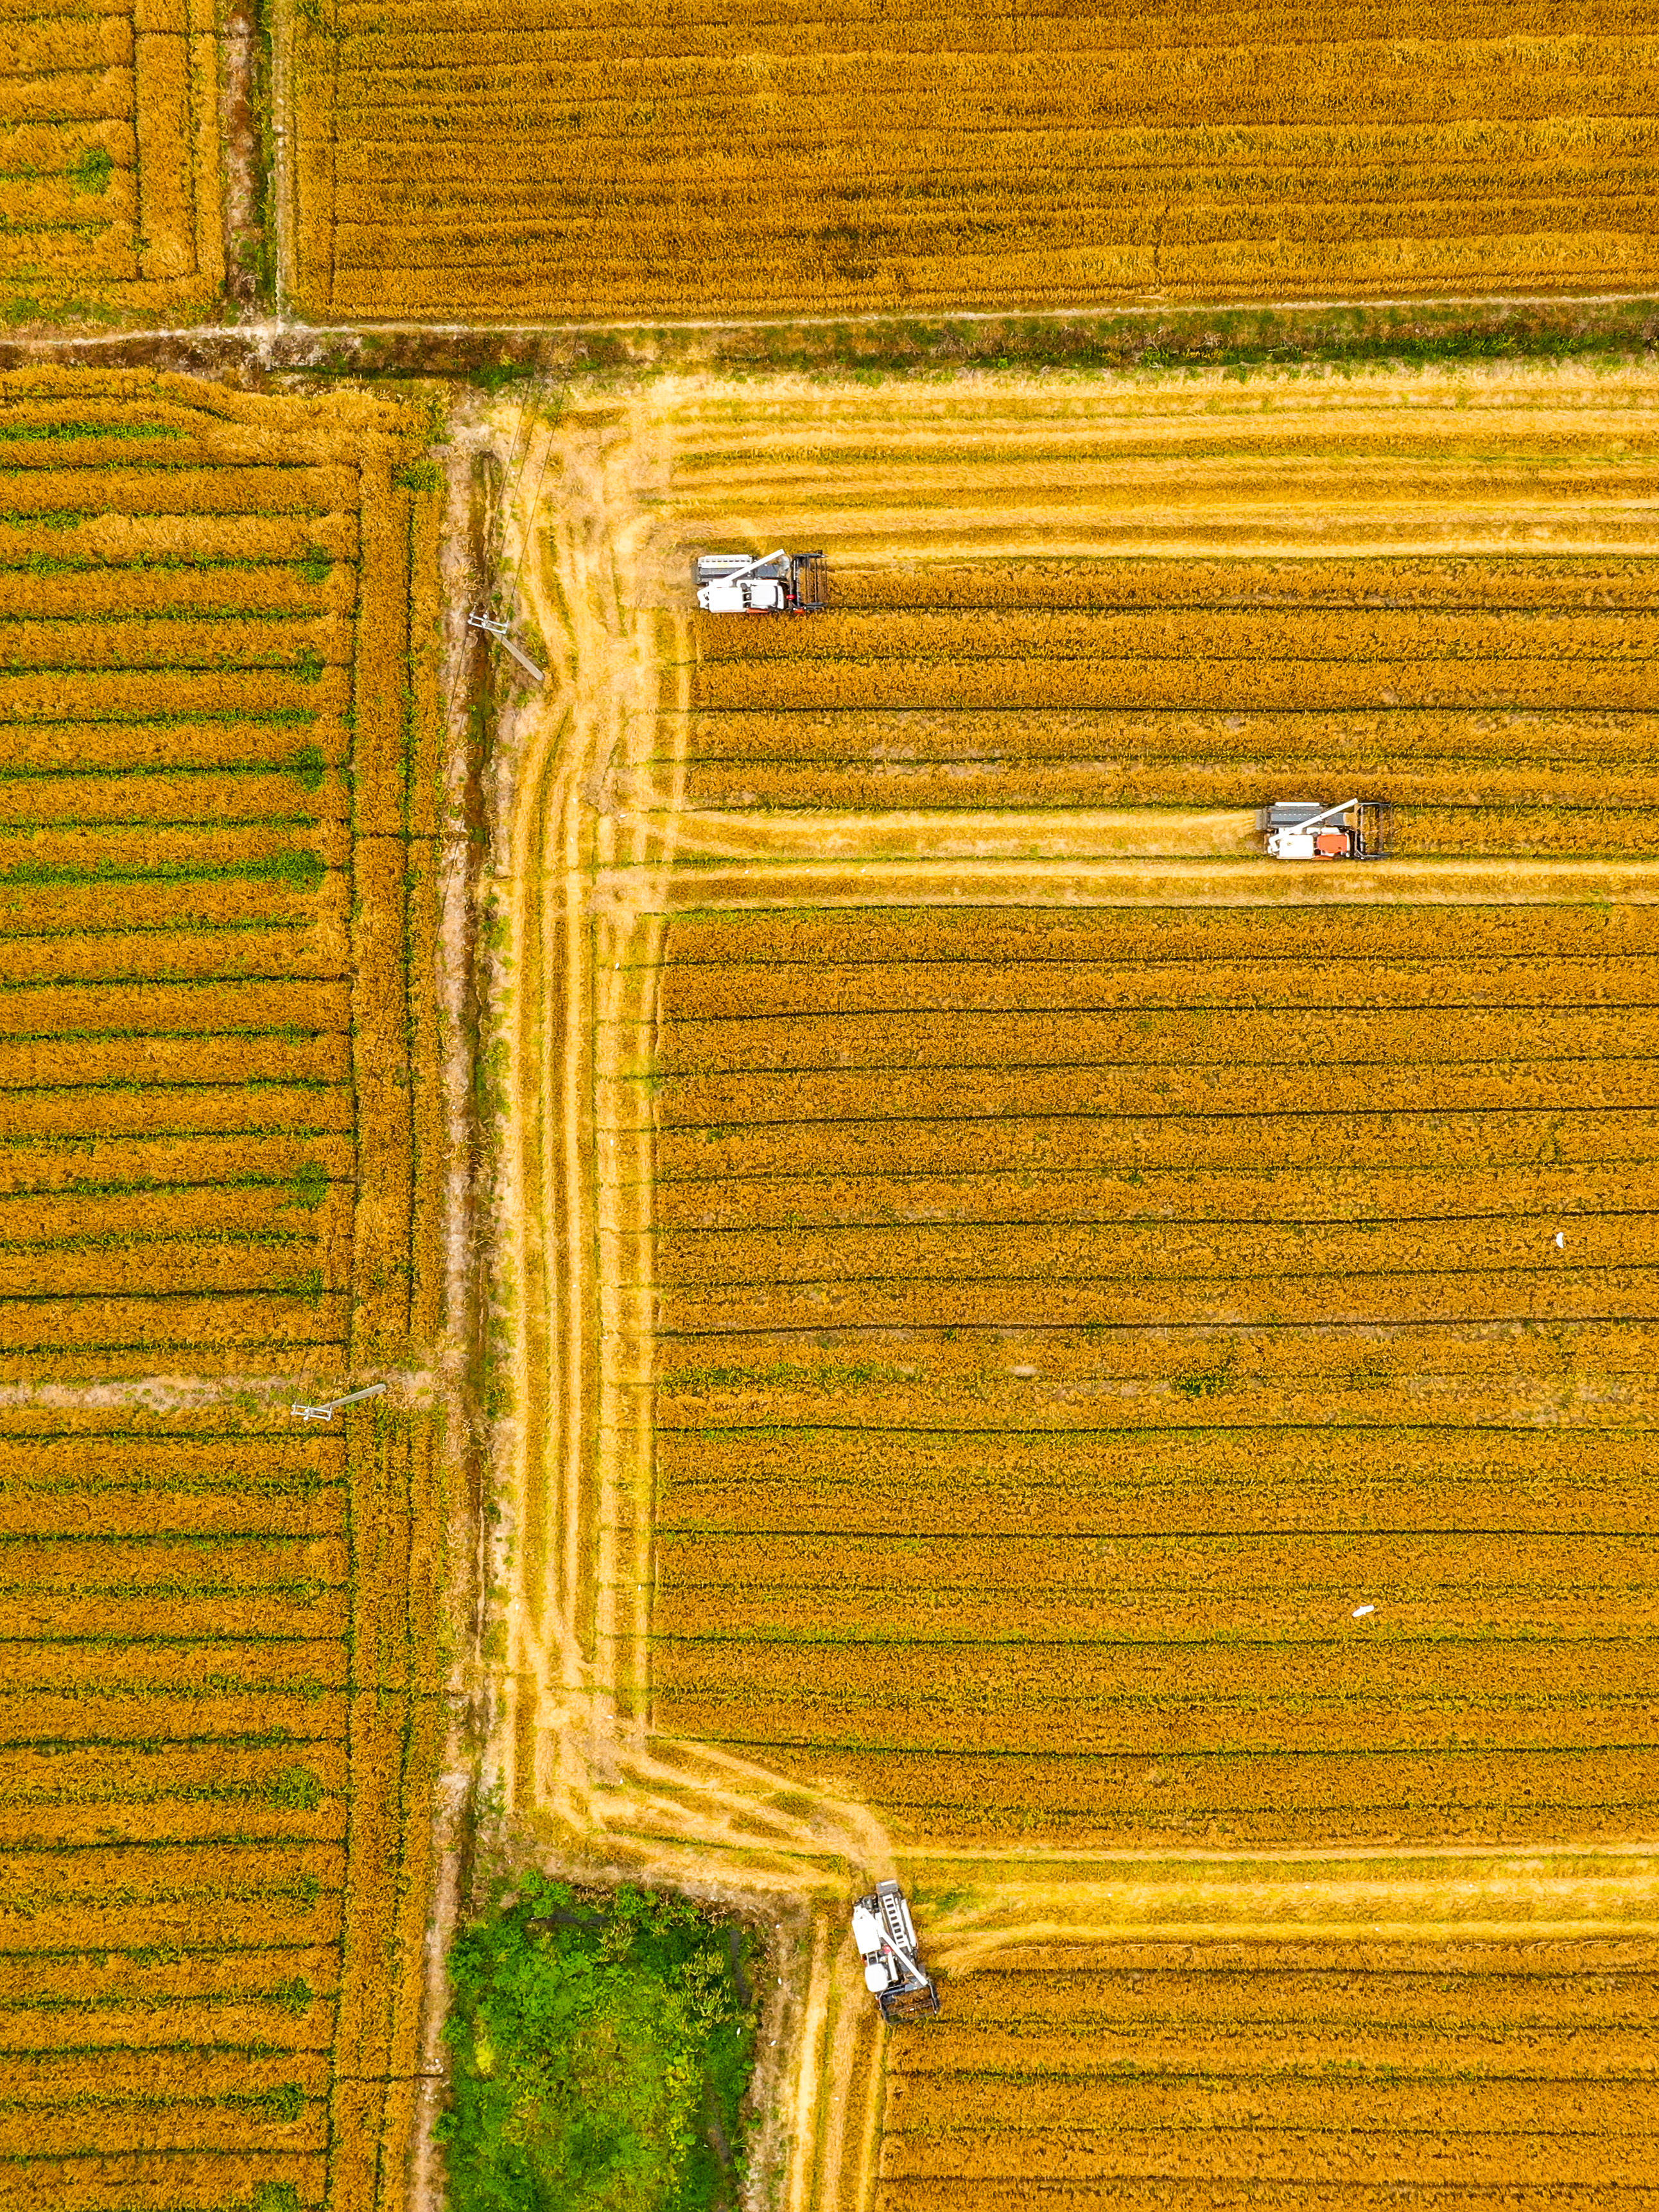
column 1217, row 1089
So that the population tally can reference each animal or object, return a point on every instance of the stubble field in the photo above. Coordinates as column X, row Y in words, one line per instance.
column 467, row 161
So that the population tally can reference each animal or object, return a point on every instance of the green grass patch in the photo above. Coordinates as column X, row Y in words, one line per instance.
column 602, row 2054
column 92, row 171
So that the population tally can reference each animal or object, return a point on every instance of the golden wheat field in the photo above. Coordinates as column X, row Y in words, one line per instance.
column 218, row 914
column 1078, row 1286
column 110, row 161
column 470, row 160
column 1186, row 595
column 217, row 885
column 1066, row 1320
column 219, row 1720
column 1301, row 2073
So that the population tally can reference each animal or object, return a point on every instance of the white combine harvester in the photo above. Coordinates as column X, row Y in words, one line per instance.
column 1302, row 829
column 885, row 1934
column 769, row 584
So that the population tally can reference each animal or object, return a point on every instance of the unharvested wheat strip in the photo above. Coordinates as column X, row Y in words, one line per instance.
column 64, row 1063
column 1198, row 1090
column 97, row 1982
column 295, row 486
column 210, row 1444
column 1015, row 1302
column 200, row 795
column 1121, row 1252
column 1325, row 684
column 880, row 1041
column 867, row 1378
column 261, row 1110
column 969, row 1795
column 137, row 1509
column 80, row 1825
column 202, row 1010
column 283, row 1615
column 256, row 1563
column 258, row 852
column 85, row 1326
column 1398, row 2108
column 306, row 952
column 741, row 1570
column 275, row 2023
column 161, row 1266
column 70, row 1715
column 124, row 595
column 814, row 1621
column 1320, row 2157
column 1384, row 739
column 843, row 1719
column 1015, row 1691
column 1542, row 580
column 1498, row 1995
column 1239, row 1391
column 93, row 1164
column 317, row 1215
column 1355, row 1139
column 1015, row 1490
column 49, row 2082
column 33, row 916
column 1419, row 927
column 1326, row 1193
column 162, row 2181
column 1061, row 636
column 119, row 2130
column 1177, row 2047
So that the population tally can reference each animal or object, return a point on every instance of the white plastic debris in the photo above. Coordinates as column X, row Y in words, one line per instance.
column 1560, row 1242
column 1360, row 1611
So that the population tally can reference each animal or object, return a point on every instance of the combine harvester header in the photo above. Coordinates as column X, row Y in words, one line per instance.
column 886, row 1937
column 769, row 584
column 1302, row 829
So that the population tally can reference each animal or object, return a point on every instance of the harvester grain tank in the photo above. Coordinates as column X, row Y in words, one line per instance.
column 886, row 1937
column 767, row 584
column 1302, row 829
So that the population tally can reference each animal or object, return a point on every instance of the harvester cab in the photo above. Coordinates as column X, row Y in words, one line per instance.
column 886, row 1937
column 770, row 584
column 1302, row 829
